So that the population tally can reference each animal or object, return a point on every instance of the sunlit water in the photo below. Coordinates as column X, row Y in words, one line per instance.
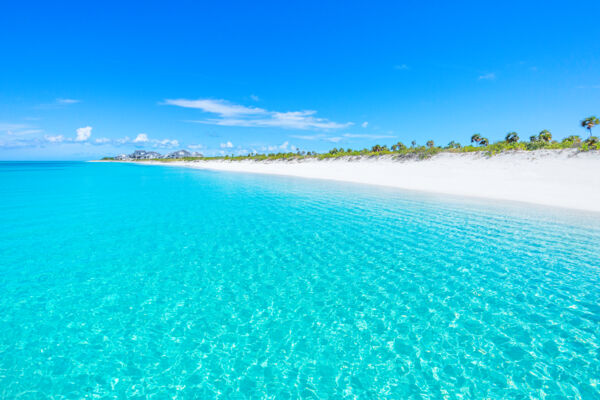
column 127, row 281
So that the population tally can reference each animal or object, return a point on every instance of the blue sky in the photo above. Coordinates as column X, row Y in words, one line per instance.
column 79, row 81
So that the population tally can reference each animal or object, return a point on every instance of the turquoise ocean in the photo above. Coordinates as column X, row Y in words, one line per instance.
column 150, row 282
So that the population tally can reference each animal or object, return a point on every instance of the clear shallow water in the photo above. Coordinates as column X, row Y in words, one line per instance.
column 152, row 282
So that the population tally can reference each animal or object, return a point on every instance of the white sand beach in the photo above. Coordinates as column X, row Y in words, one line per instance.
column 561, row 178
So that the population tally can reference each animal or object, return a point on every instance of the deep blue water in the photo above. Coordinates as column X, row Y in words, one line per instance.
column 129, row 281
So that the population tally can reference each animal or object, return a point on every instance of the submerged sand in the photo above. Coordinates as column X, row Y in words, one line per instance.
column 561, row 178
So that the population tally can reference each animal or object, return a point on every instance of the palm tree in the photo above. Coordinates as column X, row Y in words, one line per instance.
column 512, row 137
column 453, row 145
column 476, row 138
column 398, row 146
column 430, row 143
column 413, row 143
column 545, row 136
column 376, row 149
column 533, row 138
column 589, row 123
column 483, row 142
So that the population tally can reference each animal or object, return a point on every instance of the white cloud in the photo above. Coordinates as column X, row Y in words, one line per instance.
column 83, row 134
column 227, row 145
column 55, row 139
column 221, row 107
column 165, row 143
column 195, row 146
column 365, row 124
column 402, row 67
column 141, row 138
column 236, row 115
column 488, row 77
column 67, row 101
column 283, row 146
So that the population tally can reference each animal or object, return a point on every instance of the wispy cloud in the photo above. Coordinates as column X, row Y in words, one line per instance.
column 588, row 87
column 220, row 107
column 195, row 146
column 67, row 101
column 322, row 137
column 366, row 136
column 401, row 67
column 55, row 139
column 254, row 97
column 335, row 139
column 18, row 129
column 58, row 103
column 227, row 145
column 230, row 114
column 487, row 77
column 365, row 124
column 20, row 142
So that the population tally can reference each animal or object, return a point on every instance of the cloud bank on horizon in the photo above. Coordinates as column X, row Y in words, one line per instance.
column 225, row 113
column 83, row 135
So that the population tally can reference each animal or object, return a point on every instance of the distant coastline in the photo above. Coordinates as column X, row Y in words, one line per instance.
column 567, row 178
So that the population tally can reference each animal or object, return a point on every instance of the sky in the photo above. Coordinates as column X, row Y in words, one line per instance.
column 82, row 80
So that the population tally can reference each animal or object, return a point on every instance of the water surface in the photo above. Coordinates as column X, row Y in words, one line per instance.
column 154, row 282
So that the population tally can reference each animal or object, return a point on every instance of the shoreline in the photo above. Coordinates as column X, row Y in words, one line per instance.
column 558, row 178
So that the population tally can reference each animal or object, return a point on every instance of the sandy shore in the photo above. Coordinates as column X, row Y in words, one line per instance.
column 561, row 178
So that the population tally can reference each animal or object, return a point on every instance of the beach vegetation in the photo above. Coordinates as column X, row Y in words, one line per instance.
column 589, row 123
column 512, row 137
column 545, row 136
column 511, row 142
column 398, row 146
column 572, row 141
